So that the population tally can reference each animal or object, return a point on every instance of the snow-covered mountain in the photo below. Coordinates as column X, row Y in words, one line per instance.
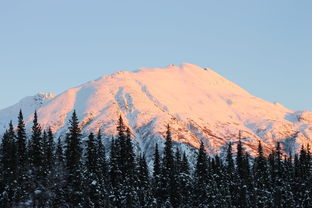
column 199, row 105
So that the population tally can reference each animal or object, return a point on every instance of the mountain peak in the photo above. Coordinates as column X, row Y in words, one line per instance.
column 172, row 67
column 199, row 104
column 43, row 96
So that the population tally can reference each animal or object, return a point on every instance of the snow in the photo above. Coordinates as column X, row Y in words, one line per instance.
column 28, row 105
column 37, row 191
column 198, row 103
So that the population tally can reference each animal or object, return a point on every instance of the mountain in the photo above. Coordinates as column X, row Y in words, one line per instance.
column 198, row 103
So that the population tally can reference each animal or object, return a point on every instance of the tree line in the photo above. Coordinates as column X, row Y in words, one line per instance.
column 41, row 171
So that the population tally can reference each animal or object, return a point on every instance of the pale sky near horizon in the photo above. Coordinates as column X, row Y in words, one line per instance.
column 264, row 46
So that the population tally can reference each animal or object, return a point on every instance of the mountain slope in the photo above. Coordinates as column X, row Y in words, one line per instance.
column 199, row 104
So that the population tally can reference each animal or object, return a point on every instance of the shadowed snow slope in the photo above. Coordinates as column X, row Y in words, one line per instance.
column 199, row 105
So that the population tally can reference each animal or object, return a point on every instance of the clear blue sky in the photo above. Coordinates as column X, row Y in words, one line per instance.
column 265, row 46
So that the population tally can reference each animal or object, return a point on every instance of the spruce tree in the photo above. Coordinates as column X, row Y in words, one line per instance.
column 59, row 153
column 200, row 178
column 240, row 160
column 21, row 140
column 8, row 167
column 176, row 189
column 37, row 163
column 177, row 161
column 49, row 151
column 101, row 157
column 118, row 168
column 129, row 160
column 59, row 177
column 129, row 171
column 230, row 178
column 45, row 144
column 167, row 175
column 91, row 155
column 121, row 129
column 22, row 161
column 261, row 179
column 102, row 172
column 115, row 175
column 157, row 177
column 185, row 167
column 36, row 151
column 303, row 191
column 92, row 184
column 157, row 167
column 11, row 150
column 229, row 158
column 243, row 170
column 277, row 172
column 184, row 183
column 5, row 200
column 73, row 163
column 143, row 191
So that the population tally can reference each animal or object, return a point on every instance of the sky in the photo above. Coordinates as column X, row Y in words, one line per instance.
column 264, row 46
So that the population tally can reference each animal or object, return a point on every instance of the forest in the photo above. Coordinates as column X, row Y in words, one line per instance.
column 39, row 170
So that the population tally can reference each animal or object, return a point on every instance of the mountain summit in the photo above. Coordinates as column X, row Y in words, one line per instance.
column 198, row 103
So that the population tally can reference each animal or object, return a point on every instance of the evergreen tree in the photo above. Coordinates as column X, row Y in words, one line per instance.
column 91, row 155
column 42, row 174
column 8, row 167
column 36, row 143
column 200, row 183
column 48, row 181
column 177, row 161
column 185, row 168
column 102, row 172
column 157, row 177
column 303, row 190
column 215, row 187
column 92, row 184
column 101, row 157
column 44, row 145
column 129, row 171
column 37, row 163
column 167, row 175
column 115, row 175
column 242, row 164
column 36, row 154
column 21, row 140
column 157, row 167
column 143, row 186
column 176, row 194
column 121, row 129
column 59, row 153
column 59, row 177
column 288, row 182
column 229, row 158
column 22, row 162
column 240, row 160
column 184, row 183
column 49, row 151
column 73, row 163
column 276, row 169
column 122, row 167
column 261, row 179
column 129, row 154
column 231, row 181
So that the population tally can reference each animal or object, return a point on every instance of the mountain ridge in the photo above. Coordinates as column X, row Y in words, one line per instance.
column 198, row 103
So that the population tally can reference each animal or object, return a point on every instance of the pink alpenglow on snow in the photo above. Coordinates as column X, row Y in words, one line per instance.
column 198, row 103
